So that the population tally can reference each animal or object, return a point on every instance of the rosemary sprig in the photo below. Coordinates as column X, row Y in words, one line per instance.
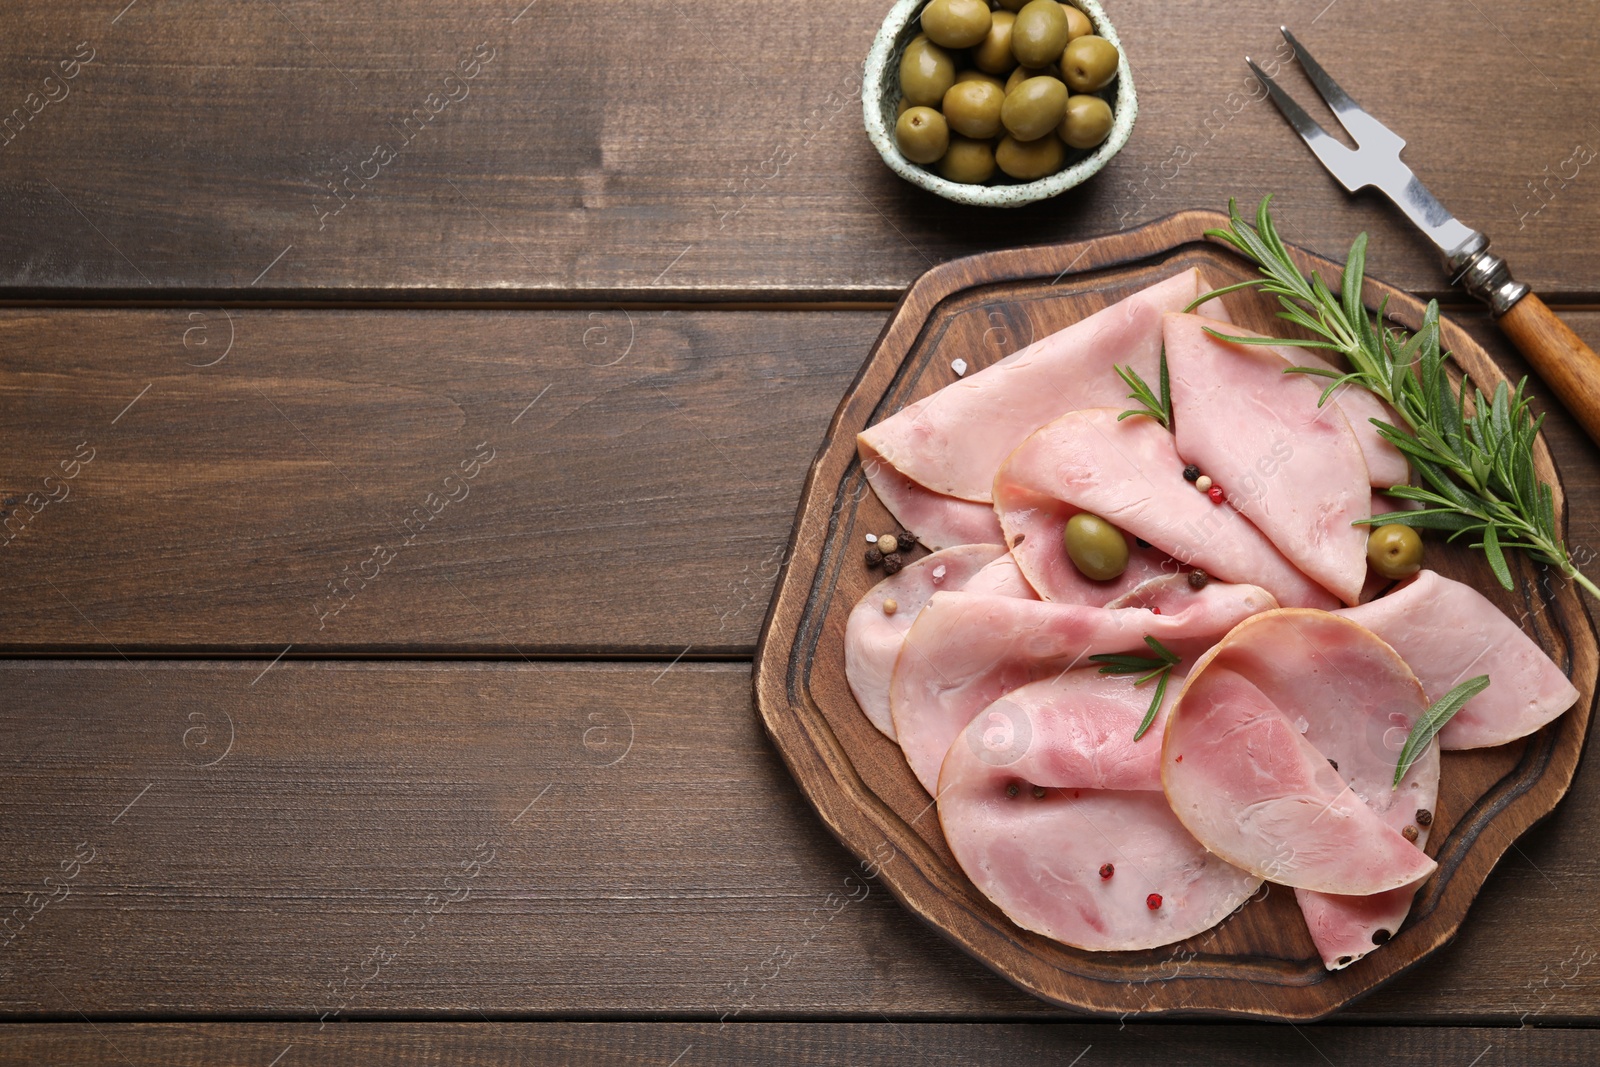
column 1159, row 668
column 1476, row 465
column 1439, row 712
column 1155, row 407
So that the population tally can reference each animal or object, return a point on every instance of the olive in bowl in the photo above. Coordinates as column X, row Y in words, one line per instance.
column 1055, row 141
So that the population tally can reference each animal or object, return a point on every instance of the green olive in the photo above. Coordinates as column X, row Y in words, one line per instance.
column 956, row 23
column 1030, row 159
column 1087, row 123
column 967, row 161
column 926, row 72
column 922, row 135
column 1034, row 108
column 994, row 54
column 980, row 76
column 1096, row 547
column 1395, row 551
column 973, row 108
column 1089, row 64
column 1022, row 74
column 1078, row 24
column 902, row 107
column 1040, row 33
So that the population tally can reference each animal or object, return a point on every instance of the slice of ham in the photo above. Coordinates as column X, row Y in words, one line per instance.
column 1128, row 472
column 1292, row 468
column 1039, row 858
column 938, row 521
column 965, row 650
column 1449, row 632
column 1343, row 717
column 872, row 639
column 954, row 440
column 1244, row 778
column 1002, row 577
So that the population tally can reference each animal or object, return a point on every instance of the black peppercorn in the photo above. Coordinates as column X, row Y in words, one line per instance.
column 1141, row 542
column 1198, row 579
column 892, row 563
column 874, row 557
column 1424, row 817
column 1191, row 473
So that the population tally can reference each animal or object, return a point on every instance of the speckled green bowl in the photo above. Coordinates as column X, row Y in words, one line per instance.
column 880, row 94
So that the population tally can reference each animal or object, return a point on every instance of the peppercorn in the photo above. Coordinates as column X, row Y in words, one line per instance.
column 1038, row 792
column 906, row 538
column 1153, row 901
column 1198, row 578
column 1334, row 764
column 1011, row 790
column 1191, row 472
column 892, row 563
column 1203, row 483
column 1381, row 937
column 1411, row 833
column 887, row 544
column 1107, row 870
column 891, row 606
column 874, row 558
column 1141, row 542
column 1155, row 609
column 1424, row 817
column 1215, row 493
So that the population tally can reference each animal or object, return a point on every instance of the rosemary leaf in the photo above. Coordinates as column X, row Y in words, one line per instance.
column 1427, row 728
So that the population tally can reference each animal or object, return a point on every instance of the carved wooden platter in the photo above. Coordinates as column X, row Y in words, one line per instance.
column 1259, row 962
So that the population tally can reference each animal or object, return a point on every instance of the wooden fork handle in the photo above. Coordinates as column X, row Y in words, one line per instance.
column 1567, row 365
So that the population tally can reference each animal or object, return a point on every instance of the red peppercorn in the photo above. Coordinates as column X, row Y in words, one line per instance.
column 1178, row 760
column 1153, row 901
column 1215, row 493
column 1155, row 611
column 1106, row 870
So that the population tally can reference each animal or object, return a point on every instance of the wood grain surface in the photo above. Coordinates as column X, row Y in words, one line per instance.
column 708, row 152
column 680, row 875
column 697, row 1045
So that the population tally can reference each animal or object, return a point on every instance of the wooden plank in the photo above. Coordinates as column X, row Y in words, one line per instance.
column 698, row 1045
column 667, row 865
column 641, row 506
column 705, row 152
column 642, row 479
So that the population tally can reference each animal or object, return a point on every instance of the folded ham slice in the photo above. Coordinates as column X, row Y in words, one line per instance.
column 965, row 650
column 953, row 441
column 1002, row 577
column 1245, row 777
column 938, row 521
column 1040, row 857
column 1387, row 466
column 1449, row 632
column 872, row 639
column 1292, row 468
column 1129, row 474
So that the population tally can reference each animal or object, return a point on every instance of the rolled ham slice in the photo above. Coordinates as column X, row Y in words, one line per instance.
column 1449, row 632
column 872, row 639
column 966, row 650
column 953, row 441
column 1294, row 469
column 1244, row 776
column 1128, row 472
column 938, row 521
column 1039, row 858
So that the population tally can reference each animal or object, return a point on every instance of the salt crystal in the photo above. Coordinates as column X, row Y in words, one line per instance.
column 872, row 539
column 1301, row 724
column 938, row 573
column 959, row 366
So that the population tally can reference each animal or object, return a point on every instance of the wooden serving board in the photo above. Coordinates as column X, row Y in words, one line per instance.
column 1260, row 962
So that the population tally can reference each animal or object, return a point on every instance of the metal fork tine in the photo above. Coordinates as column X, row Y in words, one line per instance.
column 1335, row 156
column 1367, row 130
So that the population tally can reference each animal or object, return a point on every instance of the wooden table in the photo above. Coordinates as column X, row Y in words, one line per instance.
column 404, row 408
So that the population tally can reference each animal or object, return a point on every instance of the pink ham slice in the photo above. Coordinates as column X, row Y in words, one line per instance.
column 1244, row 778
column 1292, row 468
column 1039, row 858
column 965, row 650
column 1386, row 465
column 1129, row 474
column 1003, row 578
column 1449, row 632
column 938, row 521
column 953, row 441
column 872, row 639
